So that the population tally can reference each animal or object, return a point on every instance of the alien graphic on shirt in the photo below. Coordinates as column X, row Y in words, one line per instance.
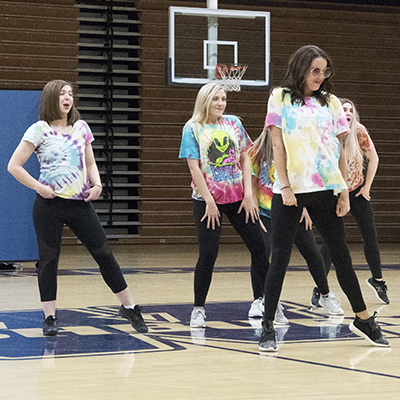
column 222, row 156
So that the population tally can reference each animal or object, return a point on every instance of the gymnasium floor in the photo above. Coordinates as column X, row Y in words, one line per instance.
column 97, row 355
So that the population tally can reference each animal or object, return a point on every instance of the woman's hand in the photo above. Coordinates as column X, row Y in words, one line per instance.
column 364, row 192
column 45, row 191
column 343, row 204
column 263, row 226
column 250, row 209
column 212, row 214
column 93, row 193
column 307, row 219
column 288, row 197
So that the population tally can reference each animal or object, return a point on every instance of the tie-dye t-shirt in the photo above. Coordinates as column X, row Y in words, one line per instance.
column 62, row 158
column 309, row 134
column 355, row 175
column 217, row 147
column 265, row 178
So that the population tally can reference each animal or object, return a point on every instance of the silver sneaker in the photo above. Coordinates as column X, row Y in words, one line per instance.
column 331, row 304
column 257, row 308
column 197, row 318
column 280, row 318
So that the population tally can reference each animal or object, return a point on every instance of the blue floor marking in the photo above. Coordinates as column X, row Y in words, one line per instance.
column 99, row 330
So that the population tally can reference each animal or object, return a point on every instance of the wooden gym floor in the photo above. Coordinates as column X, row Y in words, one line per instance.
column 97, row 355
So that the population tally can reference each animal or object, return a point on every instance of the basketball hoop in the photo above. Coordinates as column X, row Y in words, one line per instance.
column 231, row 76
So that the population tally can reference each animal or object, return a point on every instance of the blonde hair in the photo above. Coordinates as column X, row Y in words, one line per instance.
column 203, row 101
column 50, row 103
column 351, row 145
column 262, row 147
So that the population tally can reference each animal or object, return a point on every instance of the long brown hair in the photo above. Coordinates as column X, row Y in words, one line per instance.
column 50, row 106
column 298, row 68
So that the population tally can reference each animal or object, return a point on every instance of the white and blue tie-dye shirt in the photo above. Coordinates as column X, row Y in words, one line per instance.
column 309, row 134
column 62, row 158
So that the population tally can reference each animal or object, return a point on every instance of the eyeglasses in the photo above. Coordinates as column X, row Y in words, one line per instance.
column 316, row 72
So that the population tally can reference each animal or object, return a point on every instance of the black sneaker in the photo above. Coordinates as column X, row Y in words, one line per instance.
column 4, row 266
column 369, row 330
column 315, row 298
column 268, row 337
column 135, row 317
column 380, row 289
column 50, row 327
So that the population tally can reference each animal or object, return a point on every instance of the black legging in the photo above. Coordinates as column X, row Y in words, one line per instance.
column 209, row 245
column 308, row 248
column 362, row 211
column 49, row 216
column 284, row 222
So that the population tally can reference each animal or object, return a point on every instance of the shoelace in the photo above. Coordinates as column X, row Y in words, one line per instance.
column 280, row 309
column 268, row 331
column 372, row 323
column 197, row 312
column 382, row 286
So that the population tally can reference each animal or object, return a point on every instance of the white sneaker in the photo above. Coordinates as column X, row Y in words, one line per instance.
column 257, row 308
column 331, row 304
column 280, row 318
column 197, row 318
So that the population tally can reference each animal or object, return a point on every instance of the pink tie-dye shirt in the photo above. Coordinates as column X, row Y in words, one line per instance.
column 310, row 137
column 217, row 147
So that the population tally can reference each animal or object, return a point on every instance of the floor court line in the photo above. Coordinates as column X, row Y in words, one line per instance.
column 316, row 356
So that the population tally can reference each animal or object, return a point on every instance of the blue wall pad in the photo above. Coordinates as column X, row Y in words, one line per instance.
column 18, row 110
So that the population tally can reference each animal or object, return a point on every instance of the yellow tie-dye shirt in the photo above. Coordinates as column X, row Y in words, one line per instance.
column 310, row 138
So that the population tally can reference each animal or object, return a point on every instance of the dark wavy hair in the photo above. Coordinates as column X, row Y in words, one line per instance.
column 298, row 68
column 49, row 104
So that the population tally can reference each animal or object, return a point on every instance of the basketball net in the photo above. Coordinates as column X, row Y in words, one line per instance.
column 231, row 76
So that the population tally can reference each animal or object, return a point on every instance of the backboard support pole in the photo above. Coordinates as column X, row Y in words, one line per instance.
column 212, row 50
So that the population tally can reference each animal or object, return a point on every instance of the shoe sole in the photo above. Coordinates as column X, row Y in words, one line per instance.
column 50, row 333
column 324, row 310
column 198, row 326
column 355, row 330
column 333, row 313
column 376, row 293
column 281, row 323
column 267, row 350
column 192, row 325
column 255, row 315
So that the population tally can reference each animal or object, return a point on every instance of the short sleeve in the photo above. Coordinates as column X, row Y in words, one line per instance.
column 275, row 105
column 364, row 139
column 339, row 121
column 35, row 132
column 86, row 131
column 245, row 141
column 189, row 145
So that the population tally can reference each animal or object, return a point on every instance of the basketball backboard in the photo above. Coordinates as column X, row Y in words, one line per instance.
column 201, row 38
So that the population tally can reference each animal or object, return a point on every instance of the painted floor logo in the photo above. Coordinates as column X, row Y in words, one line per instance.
column 101, row 331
